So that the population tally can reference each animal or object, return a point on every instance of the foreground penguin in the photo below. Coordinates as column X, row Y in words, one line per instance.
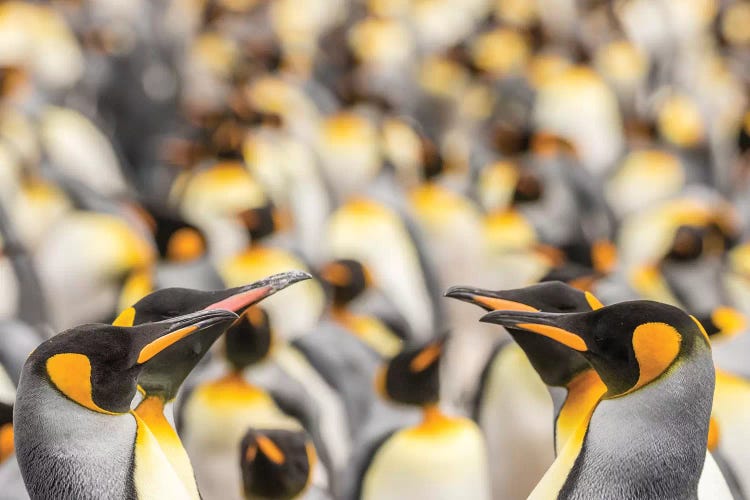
column 441, row 458
column 557, row 366
column 638, row 441
column 76, row 388
column 575, row 387
column 162, row 378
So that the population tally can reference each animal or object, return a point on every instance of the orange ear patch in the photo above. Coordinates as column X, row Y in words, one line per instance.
column 71, row 374
column 563, row 336
column 269, row 449
column 656, row 346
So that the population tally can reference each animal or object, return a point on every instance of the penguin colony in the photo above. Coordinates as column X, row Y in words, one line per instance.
column 374, row 249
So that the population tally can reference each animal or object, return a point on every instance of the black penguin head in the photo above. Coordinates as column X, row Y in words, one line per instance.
column 177, row 240
column 249, row 339
column 433, row 164
column 687, row 244
column 346, row 278
column 629, row 344
column 165, row 374
column 262, row 221
column 97, row 366
column 276, row 463
column 413, row 376
column 556, row 364
column 529, row 187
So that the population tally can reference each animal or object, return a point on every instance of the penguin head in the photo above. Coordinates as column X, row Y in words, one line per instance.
column 262, row 221
column 556, row 364
column 178, row 240
column 346, row 278
column 629, row 344
column 97, row 366
column 165, row 374
column 413, row 376
column 276, row 463
column 249, row 339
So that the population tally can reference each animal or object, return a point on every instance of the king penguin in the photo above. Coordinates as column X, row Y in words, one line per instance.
column 572, row 384
column 160, row 380
column 637, row 442
column 442, row 457
column 77, row 387
column 348, row 280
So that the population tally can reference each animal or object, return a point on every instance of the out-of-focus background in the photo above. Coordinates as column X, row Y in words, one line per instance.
column 495, row 143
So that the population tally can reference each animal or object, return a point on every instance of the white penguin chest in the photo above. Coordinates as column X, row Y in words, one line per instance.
column 446, row 465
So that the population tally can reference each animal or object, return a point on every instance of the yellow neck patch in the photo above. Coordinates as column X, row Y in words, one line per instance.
column 584, row 392
column 563, row 336
column 594, row 303
column 71, row 374
column 151, row 412
column 700, row 327
column 126, row 318
column 656, row 346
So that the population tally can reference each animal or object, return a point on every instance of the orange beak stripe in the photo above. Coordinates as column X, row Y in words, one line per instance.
column 502, row 304
column 563, row 336
column 158, row 345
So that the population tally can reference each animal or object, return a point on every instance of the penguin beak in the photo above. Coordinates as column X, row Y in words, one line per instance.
column 181, row 329
column 487, row 299
column 175, row 349
column 556, row 326
column 240, row 298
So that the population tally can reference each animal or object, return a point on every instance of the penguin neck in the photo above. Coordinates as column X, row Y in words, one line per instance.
column 151, row 410
column 652, row 438
column 584, row 391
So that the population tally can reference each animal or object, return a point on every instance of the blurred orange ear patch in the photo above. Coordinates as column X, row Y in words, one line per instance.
column 425, row 358
column 269, row 449
column 656, row 346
